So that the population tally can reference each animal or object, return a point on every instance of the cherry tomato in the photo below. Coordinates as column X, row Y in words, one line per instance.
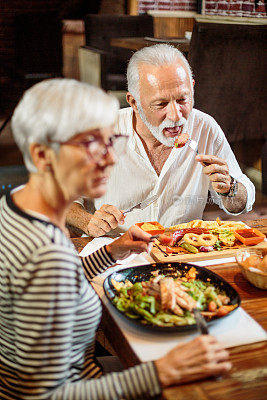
column 212, row 306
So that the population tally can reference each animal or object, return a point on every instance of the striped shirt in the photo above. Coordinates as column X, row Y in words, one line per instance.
column 49, row 314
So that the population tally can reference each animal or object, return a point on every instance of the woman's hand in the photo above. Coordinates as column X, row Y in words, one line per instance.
column 135, row 240
column 197, row 359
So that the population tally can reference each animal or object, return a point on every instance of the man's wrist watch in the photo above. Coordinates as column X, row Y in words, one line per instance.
column 233, row 188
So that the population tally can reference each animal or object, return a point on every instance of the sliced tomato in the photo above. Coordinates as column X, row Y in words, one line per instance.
column 165, row 240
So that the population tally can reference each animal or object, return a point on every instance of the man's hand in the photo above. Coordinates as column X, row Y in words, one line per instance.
column 135, row 240
column 217, row 170
column 197, row 359
column 104, row 220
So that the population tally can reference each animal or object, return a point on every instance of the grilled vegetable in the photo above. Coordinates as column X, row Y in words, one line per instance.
column 189, row 247
column 218, row 246
column 227, row 238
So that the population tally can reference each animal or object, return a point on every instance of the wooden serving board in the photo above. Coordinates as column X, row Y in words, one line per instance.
column 159, row 256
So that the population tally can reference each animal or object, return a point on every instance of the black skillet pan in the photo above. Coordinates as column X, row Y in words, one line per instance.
column 143, row 273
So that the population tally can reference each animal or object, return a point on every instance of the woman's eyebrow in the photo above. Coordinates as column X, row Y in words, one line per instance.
column 86, row 135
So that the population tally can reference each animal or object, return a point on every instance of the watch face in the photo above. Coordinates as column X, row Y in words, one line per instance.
column 233, row 187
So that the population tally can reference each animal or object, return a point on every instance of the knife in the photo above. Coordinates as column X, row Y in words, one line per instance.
column 201, row 322
column 142, row 205
column 203, row 329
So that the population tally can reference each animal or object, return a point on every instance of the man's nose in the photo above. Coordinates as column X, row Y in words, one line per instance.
column 174, row 112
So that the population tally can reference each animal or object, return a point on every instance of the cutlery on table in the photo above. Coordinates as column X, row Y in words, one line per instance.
column 203, row 329
column 142, row 205
column 201, row 322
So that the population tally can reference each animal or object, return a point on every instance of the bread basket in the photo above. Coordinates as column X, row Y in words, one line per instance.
column 258, row 279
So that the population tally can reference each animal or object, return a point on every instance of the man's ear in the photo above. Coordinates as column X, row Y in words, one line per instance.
column 131, row 101
column 40, row 155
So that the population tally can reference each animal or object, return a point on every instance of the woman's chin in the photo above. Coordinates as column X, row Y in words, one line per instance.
column 96, row 192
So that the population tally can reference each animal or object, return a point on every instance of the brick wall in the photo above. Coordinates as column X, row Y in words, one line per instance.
column 235, row 8
column 167, row 5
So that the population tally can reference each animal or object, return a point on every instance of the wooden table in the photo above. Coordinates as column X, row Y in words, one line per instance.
column 137, row 43
column 247, row 379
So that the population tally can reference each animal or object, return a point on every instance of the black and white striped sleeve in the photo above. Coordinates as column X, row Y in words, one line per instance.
column 96, row 263
column 138, row 383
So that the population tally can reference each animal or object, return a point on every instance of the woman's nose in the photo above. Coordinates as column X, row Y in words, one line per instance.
column 174, row 112
column 109, row 158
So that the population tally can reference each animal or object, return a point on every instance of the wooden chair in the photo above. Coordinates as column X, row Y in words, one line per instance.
column 38, row 55
column 104, row 65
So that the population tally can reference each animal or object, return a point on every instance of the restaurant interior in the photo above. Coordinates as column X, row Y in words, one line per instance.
column 79, row 45
column 92, row 41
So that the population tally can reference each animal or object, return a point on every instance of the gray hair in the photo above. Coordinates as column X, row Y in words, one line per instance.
column 158, row 54
column 56, row 110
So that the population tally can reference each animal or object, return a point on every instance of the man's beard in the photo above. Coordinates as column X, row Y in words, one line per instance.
column 157, row 131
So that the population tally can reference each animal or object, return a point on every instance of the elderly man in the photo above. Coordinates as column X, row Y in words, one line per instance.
column 160, row 94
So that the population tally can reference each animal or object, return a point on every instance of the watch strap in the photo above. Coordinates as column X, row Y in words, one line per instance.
column 233, row 189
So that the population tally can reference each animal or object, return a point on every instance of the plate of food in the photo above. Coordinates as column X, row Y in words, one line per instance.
column 202, row 240
column 162, row 296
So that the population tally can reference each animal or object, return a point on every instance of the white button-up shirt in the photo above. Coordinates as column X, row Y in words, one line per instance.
column 181, row 186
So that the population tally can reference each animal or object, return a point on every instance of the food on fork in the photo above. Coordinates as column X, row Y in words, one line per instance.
column 181, row 140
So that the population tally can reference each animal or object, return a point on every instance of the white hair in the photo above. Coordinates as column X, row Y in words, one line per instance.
column 56, row 110
column 159, row 54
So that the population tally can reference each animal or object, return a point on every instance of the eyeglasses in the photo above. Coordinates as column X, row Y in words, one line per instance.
column 97, row 149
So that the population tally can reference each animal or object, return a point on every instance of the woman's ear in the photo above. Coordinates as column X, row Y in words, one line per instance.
column 40, row 155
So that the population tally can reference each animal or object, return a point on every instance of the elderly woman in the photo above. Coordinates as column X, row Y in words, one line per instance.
column 49, row 311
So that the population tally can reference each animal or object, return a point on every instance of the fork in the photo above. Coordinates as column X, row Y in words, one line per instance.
column 193, row 146
column 142, row 205
column 201, row 322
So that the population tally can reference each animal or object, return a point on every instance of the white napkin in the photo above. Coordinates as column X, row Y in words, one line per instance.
column 96, row 243
column 206, row 263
